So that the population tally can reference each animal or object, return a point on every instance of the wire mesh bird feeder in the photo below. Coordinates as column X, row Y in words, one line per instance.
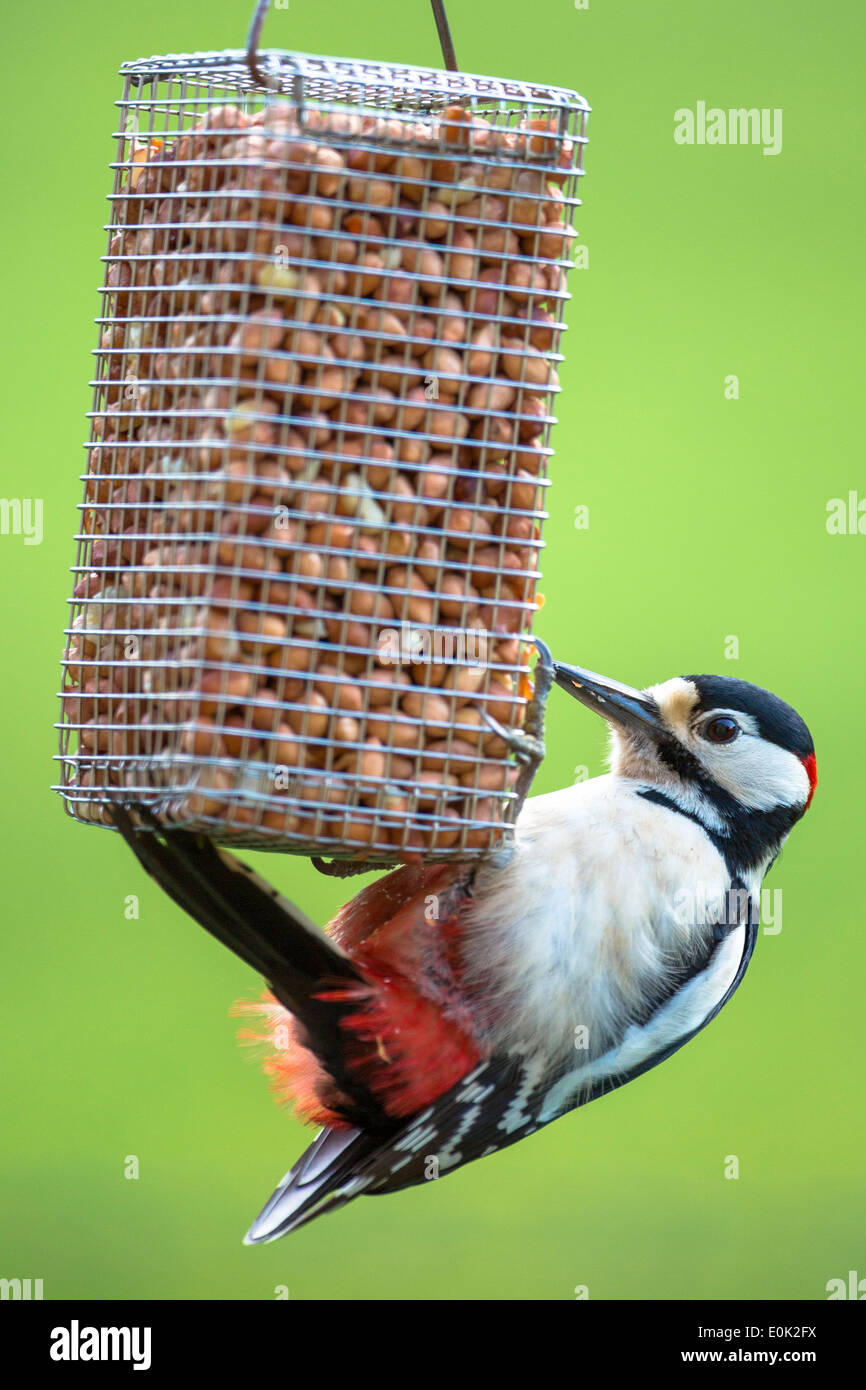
column 308, row 554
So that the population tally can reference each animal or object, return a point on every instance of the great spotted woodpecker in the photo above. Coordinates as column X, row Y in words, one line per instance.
column 452, row 1010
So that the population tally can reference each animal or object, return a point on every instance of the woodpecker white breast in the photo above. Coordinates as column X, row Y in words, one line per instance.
column 588, row 925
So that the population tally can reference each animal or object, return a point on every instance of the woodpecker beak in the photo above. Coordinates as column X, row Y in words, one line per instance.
column 619, row 704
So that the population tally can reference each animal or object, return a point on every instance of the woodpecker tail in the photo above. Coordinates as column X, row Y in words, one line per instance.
column 402, row 1073
column 268, row 932
column 312, row 1185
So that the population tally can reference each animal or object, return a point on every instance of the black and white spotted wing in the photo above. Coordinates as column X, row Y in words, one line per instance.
column 491, row 1107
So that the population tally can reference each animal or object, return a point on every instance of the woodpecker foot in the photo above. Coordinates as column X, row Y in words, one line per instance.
column 527, row 744
column 527, row 748
column 543, row 673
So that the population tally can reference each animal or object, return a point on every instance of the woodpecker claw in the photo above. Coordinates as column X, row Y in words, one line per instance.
column 526, row 748
column 545, row 657
column 495, row 727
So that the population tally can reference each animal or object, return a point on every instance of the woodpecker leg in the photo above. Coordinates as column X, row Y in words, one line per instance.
column 543, row 672
column 527, row 744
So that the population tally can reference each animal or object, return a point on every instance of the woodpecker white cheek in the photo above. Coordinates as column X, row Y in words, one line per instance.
column 759, row 774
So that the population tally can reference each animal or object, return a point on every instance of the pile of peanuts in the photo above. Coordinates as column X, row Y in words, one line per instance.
column 313, row 503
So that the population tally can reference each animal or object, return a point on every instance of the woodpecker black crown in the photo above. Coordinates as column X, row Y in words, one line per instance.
column 777, row 721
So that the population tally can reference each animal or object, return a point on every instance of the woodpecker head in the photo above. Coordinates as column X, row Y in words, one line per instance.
column 726, row 752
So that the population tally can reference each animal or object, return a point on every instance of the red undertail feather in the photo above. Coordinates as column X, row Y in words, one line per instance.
column 411, row 1036
column 296, row 1075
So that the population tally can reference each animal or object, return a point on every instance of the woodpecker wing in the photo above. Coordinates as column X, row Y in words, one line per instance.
column 340, row 1165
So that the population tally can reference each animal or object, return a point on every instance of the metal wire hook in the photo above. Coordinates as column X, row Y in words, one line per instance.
column 265, row 79
column 260, row 76
column 449, row 57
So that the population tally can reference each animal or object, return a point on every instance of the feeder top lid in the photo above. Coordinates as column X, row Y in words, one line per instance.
column 348, row 80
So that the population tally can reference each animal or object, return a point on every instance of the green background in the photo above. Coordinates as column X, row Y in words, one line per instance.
column 707, row 520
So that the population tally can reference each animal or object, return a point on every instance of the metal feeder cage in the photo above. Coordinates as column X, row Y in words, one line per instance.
column 312, row 510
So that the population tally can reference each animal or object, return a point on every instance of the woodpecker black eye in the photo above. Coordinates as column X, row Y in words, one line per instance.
column 721, row 730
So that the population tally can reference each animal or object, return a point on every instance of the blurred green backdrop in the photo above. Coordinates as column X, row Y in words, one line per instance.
column 707, row 521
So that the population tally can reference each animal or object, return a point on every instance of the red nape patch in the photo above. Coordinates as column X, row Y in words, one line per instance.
column 811, row 767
